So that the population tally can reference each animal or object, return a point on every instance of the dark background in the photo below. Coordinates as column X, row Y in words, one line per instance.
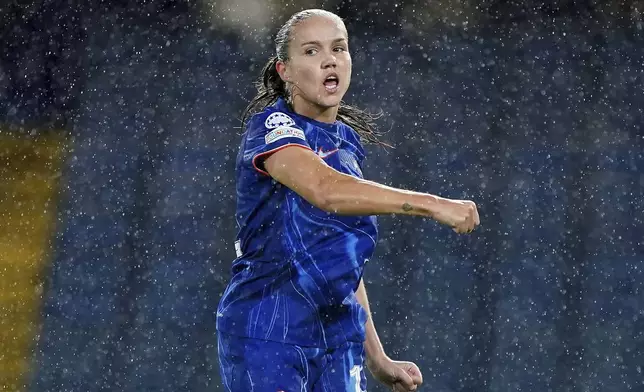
column 532, row 109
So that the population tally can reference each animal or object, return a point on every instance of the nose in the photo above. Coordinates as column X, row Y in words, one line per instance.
column 329, row 61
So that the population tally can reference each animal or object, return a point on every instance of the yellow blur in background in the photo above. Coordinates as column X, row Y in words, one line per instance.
column 30, row 169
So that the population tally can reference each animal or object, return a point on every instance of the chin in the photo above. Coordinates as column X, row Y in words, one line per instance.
column 330, row 102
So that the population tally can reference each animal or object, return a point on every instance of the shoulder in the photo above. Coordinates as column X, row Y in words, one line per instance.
column 350, row 134
column 271, row 124
column 270, row 118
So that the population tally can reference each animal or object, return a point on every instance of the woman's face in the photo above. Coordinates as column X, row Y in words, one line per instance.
column 318, row 70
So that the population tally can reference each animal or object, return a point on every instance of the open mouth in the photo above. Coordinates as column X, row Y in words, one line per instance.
column 331, row 83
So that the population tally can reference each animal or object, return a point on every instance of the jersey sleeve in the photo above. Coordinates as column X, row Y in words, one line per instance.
column 267, row 135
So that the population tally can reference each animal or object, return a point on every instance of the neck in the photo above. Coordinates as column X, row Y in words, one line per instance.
column 315, row 112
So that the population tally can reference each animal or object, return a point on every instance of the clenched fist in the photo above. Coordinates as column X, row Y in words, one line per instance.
column 461, row 215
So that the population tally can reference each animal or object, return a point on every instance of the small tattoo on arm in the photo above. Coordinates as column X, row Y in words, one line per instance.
column 407, row 207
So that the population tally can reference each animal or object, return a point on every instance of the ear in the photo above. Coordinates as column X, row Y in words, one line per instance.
column 282, row 70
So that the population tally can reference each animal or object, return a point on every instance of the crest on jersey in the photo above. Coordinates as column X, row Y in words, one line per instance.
column 278, row 119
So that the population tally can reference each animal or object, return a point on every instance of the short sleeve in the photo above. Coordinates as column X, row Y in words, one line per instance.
column 268, row 134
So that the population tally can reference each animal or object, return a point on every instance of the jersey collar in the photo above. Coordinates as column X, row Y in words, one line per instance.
column 282, row 106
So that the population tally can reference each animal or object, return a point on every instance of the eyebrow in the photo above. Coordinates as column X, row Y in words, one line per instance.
column 319, row 43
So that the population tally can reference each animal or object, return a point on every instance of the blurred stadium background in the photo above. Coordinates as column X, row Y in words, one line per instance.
column 119, row 133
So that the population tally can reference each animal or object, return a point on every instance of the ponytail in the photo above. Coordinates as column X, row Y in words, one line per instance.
column 270, row 87
column 362, row 122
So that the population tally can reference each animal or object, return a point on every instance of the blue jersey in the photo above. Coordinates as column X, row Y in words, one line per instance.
column 297, row 266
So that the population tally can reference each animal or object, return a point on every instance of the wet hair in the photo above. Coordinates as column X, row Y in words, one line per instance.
column 270, row 85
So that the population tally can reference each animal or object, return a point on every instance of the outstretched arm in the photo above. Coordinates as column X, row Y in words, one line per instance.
column 326, row 188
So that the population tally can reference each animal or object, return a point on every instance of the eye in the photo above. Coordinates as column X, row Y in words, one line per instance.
column 339, row 49
column 310, row 51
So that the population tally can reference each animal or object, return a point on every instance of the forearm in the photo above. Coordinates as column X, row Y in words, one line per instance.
column 373, row 347
column 347, row 195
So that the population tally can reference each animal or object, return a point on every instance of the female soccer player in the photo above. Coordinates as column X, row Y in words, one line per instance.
column 295, row 316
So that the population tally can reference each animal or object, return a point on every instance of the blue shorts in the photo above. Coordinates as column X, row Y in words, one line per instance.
column 263, row 366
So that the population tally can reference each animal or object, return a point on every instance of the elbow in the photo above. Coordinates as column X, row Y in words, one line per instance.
column 323, row 200
column 323, row 194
